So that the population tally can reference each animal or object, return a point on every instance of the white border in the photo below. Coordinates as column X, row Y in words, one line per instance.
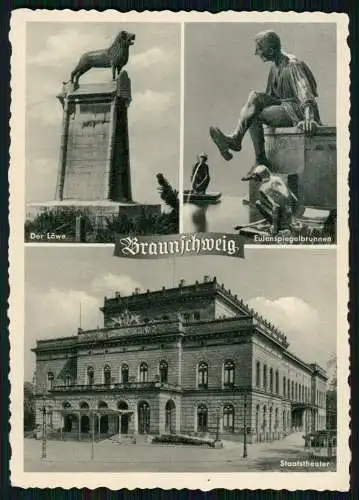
column 253, row 480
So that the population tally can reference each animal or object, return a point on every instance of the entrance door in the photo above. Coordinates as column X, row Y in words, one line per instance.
column 170, row 423
column 85, row 424
column 202, row 418
column 68, row 423
column 122, row 405
column 143, row 418
column 124, row 424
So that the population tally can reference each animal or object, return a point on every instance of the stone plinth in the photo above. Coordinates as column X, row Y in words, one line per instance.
column 94, row 161
column 309, row 162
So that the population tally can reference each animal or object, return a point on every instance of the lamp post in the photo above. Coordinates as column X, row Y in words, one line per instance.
column 44, row 412
column 245, row 454
column 218, row 420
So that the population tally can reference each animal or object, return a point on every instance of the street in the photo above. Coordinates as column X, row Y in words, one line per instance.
column 67, row 456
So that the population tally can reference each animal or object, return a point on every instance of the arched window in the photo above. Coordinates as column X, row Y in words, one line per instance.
column 284, row 421
column 276, row 420
column 143, row 372
column 66, row 404
column 107, row 375
column 288, row 389
column 292, row 389
column 202, row 418
column 257, row 420
column 258, row 374
column 90, row 376
column 265, row 382
column 84, row 405
column 270, row 418
column 277, row 382
column 50, row 381
column 296, row 391
column 271, row 380
column 124, row 374
column 202, row 375
column 228, row 418
column 228, row 373
column 284, row 386
column 163, row 372
column 143, row 417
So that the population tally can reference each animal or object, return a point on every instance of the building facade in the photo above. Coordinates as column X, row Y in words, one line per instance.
column 192, row 359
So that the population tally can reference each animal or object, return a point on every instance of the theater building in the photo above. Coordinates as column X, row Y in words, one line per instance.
column 186, row 360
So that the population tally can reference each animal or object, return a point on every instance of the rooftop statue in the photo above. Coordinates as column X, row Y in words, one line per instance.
column 114, row 57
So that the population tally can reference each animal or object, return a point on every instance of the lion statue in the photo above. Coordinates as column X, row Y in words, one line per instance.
column 115, row 57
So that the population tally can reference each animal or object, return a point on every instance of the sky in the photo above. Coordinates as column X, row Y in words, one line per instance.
column 302, row 304
column 220, row 71
column 53, row 50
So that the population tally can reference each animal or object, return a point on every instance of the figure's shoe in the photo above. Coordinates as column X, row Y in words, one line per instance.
column 223, row 143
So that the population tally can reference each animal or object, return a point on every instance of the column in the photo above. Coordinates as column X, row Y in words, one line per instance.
column 110, row 149
column 79, row 426
column 63, row 150
column 135, row 421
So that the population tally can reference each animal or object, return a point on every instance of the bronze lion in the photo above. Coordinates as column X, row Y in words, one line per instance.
column 115, row 57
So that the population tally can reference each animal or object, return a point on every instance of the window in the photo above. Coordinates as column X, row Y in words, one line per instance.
column 276, row 421
column 296, row 391
column 196, row 315
column 124, row 374
column 264, row 422
column 265, row 377
column 90, row 376
column 107, row 375
column 271, row 380
column 202, row 418
column 284, row 421
column 202, row 375
column 292, row 389
column 228, row 374
column 186, row 317
column 258, row 374
column 284, row 386
column 228, row 418
column 50, row 381
column 277, row 382
column 143, row 372
column 288, row 391
column 163, row 372
column 270, row 418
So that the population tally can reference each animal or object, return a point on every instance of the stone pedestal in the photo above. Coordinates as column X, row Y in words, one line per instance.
column 94, row 161
column 309, row 162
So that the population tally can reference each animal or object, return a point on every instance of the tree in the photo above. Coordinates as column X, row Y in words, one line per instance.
column 29, row 406
column 331, row 398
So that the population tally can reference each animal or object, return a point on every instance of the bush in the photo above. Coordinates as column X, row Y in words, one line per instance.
column 184, row 440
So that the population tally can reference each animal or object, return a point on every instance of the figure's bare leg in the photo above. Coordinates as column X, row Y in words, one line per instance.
column 255, row 104
column 273, row 116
